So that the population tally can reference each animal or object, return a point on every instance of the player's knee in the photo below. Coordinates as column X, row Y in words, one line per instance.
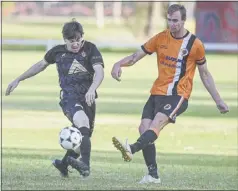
column 145, row 124
column 159, row 121
column 80, row 119
column 142, row 128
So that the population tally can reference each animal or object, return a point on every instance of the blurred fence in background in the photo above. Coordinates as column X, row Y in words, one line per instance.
column 216, row 23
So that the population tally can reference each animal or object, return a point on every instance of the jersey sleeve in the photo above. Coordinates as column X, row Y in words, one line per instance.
column 151, row 45
column 96, row 57
column 200, row 53
column 50, row 56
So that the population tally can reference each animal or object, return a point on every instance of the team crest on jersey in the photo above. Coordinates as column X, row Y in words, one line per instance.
column 184, row 52
column 83, row 54
column 167, row 107
column 76, row 67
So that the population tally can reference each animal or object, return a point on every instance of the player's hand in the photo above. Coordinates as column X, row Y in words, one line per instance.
column 90, row 97
column 11, row 87
column 116, row 72
column 223, row 108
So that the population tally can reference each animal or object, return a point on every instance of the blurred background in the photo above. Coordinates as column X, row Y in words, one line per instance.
column 117, row 23
column 198, row 152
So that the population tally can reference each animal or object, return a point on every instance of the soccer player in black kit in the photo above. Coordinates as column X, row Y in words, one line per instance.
column 80, row 70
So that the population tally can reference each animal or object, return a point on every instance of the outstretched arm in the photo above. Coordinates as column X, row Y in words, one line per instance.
column 148, row 48
column 209, row 84
column 132, row 59
column 127, row 61
column 32, row 71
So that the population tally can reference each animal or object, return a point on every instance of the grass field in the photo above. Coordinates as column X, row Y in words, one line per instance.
column 198, row 152
column 34, row 31
column 31, row 28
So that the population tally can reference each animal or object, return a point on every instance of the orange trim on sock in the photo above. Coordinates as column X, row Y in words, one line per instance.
column 156, row 131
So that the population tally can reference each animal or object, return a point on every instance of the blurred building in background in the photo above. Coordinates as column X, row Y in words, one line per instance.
column 85, row 8
column 63, row 8
column 216, row 23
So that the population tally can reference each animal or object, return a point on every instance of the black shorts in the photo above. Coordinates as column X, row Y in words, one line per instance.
column 171, row 106
column 71, row 106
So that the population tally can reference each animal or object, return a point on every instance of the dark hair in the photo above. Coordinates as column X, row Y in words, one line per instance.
column 71, row 29
column 176, row 7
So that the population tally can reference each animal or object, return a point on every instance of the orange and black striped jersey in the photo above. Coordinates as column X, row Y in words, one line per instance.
column 176, row 59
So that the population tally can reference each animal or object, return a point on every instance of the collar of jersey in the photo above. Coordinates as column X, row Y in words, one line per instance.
column 180, row 37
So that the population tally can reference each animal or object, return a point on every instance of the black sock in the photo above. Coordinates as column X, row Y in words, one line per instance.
column 149, row 153
column 85, row 147
column 69, row 153
column 146, row 138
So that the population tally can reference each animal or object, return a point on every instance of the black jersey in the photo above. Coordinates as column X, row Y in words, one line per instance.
column 75, row 70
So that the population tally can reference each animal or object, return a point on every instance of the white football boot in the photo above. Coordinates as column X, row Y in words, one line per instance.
column 149, row 179
column 124, row 148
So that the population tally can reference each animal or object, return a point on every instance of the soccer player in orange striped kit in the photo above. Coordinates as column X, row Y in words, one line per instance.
column 178, row 54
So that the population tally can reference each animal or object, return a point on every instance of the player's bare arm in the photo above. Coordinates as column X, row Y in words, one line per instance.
column 127, row 61
column 209, row 84
column 32, row 71
column 97, row 80
column 132, row 59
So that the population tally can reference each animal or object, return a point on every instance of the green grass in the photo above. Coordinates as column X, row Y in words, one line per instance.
column 198, row 152
column 26, row 30
column 189, row 157
column 31, row 28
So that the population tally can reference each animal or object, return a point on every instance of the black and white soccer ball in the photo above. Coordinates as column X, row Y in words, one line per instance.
column 70, row 138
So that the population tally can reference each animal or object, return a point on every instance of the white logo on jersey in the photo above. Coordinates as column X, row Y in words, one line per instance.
column 83, row 54
column 167, row 107
column 76, row 67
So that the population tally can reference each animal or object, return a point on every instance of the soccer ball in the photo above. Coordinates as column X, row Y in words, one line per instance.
column 70, row 138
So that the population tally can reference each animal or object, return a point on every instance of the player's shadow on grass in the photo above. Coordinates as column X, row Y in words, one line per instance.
column 115, row 157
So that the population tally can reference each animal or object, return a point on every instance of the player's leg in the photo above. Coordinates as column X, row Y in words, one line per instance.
column 85, row 148
column 150, row 135
column 74, row 112
column 147, row 117
column 149, row 152
column 84, row 121
column 81, row 121
column 62, row 165
column 69, row 108
column 91, row 113
column 170, row 107
column 145, row 143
